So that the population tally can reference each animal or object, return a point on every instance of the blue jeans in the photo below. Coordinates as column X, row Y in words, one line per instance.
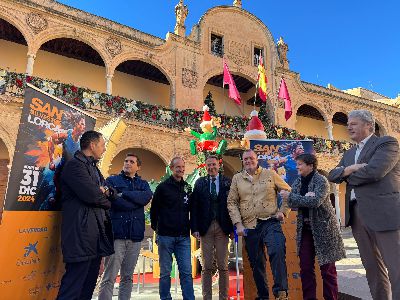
column 180, row 246
column 267, row 233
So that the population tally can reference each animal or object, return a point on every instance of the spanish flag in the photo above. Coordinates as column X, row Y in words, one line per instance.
column 262, row 80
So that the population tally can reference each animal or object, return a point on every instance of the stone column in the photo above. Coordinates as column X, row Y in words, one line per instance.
column 172, row 95
column 109, row 84
column 29, row 65
column 329, row 127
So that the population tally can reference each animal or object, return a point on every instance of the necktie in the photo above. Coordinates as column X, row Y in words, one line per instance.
column 213, row 188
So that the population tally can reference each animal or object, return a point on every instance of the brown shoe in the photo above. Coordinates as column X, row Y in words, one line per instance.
column 282, row 295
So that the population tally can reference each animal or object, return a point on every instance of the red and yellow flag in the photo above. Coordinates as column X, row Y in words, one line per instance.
column 262, row 80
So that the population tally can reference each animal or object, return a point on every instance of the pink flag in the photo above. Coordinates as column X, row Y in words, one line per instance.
column 284, row 94
column 228, row 79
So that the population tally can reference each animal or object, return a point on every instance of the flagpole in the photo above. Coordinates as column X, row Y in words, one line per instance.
column 255, row 96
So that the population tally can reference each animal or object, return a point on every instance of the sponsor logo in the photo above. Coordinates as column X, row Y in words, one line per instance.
column 32, row 230
column 31, row 248
column 30, row 256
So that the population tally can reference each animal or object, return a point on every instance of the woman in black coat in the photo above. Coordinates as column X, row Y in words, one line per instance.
column 318, row 232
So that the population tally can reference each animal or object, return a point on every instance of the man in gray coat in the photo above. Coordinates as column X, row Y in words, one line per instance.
column 371, row 170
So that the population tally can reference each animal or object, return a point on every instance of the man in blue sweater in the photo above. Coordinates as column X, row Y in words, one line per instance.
column 127, row 216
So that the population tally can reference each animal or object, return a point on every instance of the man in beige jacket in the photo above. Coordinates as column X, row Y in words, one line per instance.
column 253, row 208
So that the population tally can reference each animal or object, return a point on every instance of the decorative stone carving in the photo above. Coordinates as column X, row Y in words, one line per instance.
column 239, row 53
column 36, row 22
column 113, row 46
column 282, row 50
column 328, row 107
column 181, row 12
column 395, row 126
column 237, row 3
column 189, row 78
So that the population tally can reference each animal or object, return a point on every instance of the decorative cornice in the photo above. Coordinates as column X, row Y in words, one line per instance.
column 310, row 87
column 184, row 40
column 91, row 20
column 336, row 94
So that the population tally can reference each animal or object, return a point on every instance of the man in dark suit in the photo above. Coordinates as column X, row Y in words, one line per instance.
column 211, row 224
column 371, row 170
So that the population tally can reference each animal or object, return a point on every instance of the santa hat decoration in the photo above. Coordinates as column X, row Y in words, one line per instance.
column 206, row 116
column 255, row 126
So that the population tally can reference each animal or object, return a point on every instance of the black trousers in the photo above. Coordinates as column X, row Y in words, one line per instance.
column 267, row 233
column 79, row 280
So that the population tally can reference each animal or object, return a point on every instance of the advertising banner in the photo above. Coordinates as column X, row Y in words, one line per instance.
column 280, row 155
column 30, row 249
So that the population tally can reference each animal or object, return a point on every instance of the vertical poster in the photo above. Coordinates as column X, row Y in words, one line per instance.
column 30, row 249
column 280, row 155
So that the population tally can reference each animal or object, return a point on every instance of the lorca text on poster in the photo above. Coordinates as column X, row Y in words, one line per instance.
column 44, row 115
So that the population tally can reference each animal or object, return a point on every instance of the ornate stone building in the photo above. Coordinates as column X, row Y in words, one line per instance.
column 48, row 40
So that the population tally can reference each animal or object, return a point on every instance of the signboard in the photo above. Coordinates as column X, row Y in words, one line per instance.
column 30, row 248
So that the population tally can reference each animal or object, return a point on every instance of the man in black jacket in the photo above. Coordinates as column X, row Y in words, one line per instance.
column 127, row 215
column 169, row 215
column 86, row 233
column 211, row 224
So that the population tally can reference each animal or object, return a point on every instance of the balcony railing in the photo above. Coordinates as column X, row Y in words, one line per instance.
column 232, row 127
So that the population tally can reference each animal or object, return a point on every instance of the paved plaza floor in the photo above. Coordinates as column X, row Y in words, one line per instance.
column 351, row 278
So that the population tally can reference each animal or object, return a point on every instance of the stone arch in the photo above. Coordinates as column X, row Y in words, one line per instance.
column 64, row 32
column 15, row 20
column 8, row 142
column 313, row 121
column 320, row 110
column 250, row 75
column 153, row 164
column 339, row 118
column 163, row 82
column 339, row 126
column 119, row 59
column 232, row 165
column 229, row 171
column 5, row 162
column 245, row 83
column 380, row 130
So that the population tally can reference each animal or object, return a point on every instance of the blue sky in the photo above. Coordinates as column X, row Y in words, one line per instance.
column 348, row 43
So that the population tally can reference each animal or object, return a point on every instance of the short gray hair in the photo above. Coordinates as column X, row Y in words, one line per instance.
column 365, row 116
column 172, row 163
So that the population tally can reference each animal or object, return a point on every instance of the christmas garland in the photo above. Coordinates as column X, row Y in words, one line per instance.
column 232, row 127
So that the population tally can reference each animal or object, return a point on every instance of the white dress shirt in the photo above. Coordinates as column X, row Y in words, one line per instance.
column 359, row 148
